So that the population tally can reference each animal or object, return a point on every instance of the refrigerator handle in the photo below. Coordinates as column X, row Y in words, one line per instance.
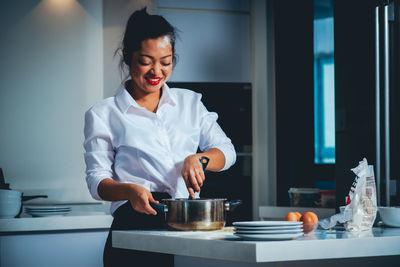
column 377, row 107
column 386, row 88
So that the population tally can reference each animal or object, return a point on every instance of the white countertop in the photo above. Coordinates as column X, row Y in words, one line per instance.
column 82, row 216
column 89, row 221
column 223, row 245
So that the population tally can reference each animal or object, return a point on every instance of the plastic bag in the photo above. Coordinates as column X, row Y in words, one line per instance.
column 361, row 206
column 362, row 199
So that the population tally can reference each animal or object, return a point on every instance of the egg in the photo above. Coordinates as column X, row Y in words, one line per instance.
column 293, row 216
column 309, row 218
column 310, row 221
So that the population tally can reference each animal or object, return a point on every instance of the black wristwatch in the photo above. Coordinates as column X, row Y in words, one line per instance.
column 204, row 162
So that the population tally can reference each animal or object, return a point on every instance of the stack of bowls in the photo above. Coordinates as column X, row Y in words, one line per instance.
column 10, row 203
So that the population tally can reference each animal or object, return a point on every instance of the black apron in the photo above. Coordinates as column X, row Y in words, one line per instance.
column 126, row 218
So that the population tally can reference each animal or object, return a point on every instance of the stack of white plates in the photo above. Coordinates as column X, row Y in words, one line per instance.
column 45, row 211
column 268, row 230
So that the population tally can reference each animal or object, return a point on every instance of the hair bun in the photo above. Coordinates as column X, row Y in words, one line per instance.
column 139, row 14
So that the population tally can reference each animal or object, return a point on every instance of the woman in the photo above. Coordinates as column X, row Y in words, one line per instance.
column 141, row 144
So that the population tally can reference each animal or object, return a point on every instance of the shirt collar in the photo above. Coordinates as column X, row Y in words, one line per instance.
column 125, row 100
column 167, row 96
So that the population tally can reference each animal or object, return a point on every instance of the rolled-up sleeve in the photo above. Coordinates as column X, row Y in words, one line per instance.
column 212, row 136
column 99, row 152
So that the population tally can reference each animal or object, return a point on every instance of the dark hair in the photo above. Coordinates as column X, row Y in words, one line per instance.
column 142, row 26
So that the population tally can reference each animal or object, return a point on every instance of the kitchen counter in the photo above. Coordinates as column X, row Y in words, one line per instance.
column 223, row 246
column 90, row 221
column 82, row 216
column 76, row 239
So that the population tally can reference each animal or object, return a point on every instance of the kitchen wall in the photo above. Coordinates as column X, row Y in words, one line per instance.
column 264, row 104
column 218, row 49
column 51, row 71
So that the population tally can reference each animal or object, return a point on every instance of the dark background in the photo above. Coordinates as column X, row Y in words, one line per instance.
column 354, row 32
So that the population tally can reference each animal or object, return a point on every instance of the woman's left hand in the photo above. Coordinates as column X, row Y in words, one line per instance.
column 193, row 174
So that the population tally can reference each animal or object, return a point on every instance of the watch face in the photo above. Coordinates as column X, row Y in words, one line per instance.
column 204, row 161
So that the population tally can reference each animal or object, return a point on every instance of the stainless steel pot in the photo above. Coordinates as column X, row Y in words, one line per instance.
column 202, row 214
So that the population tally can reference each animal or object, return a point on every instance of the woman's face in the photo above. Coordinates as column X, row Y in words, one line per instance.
column 151, row 66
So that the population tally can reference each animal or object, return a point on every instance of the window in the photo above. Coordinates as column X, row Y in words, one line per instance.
column 324, row 83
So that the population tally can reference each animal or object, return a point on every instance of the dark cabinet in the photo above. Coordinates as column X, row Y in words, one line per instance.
column 232, row 102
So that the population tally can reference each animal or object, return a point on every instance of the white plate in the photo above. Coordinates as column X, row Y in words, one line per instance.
column 47, row 214
column 41, row 211
column 268, row 237
column 47, row 210
column 257, row 228
column 47, row 207
column 266, row 223
column 293, row 231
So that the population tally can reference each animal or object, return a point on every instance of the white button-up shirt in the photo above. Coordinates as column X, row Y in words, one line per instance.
column 130, row 144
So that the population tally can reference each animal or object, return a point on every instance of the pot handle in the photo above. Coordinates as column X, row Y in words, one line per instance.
column 25, row 198
column 231, row 205
column 159, row 207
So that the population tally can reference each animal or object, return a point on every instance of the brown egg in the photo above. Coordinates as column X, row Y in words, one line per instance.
column 309, row 218
column 310, row 221
column 293, row 216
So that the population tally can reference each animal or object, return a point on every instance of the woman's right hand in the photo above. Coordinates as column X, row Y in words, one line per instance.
column 140, row 199
column 139, row 196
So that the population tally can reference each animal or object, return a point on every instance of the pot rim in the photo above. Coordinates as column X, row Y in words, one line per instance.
column 193, row 200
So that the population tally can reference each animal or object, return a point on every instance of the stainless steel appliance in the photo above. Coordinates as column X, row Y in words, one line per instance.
column 387, row 100
column 367, row 94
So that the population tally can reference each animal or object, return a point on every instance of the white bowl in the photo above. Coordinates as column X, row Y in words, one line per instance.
column 5, row 193
column 9, row 208
column 9, row 197
column 390, row 216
